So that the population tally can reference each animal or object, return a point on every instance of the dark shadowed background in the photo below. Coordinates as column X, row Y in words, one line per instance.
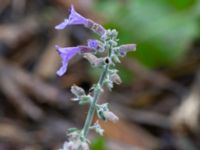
column 158, row 102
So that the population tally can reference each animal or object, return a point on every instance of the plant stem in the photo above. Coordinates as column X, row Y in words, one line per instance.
column 97, row 93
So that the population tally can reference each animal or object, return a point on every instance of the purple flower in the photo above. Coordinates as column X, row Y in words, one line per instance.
column 68, row 53
column 74, row 19
column 123, row 49
column 95, row 44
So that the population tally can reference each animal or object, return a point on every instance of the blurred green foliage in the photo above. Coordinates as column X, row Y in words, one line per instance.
column 98, row 144
column 162, row 29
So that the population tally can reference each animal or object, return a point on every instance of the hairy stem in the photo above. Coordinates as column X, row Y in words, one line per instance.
column 97, row 93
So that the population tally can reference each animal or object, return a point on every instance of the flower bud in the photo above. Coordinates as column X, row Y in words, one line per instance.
column 112, row 43
column 115, row 58
column 97, row 87
column 123, row 49
column 74, row 134
column 67, row 145
column 104, row 37
column 111, row 116
column 98, row 128
column 113, row 33
column 108, row 83
column 76, row 144
column 84, row 146
column 77, row 91
column 106, row 46
column 96, row 45
column 115, row 78
column 100, row 131
column 112, row 71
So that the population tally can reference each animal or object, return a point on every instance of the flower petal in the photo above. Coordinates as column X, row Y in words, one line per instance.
column 76, row 18
column 62, row 70
column 62, row 25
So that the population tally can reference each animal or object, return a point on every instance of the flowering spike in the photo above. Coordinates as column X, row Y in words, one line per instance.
column 108, row 43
